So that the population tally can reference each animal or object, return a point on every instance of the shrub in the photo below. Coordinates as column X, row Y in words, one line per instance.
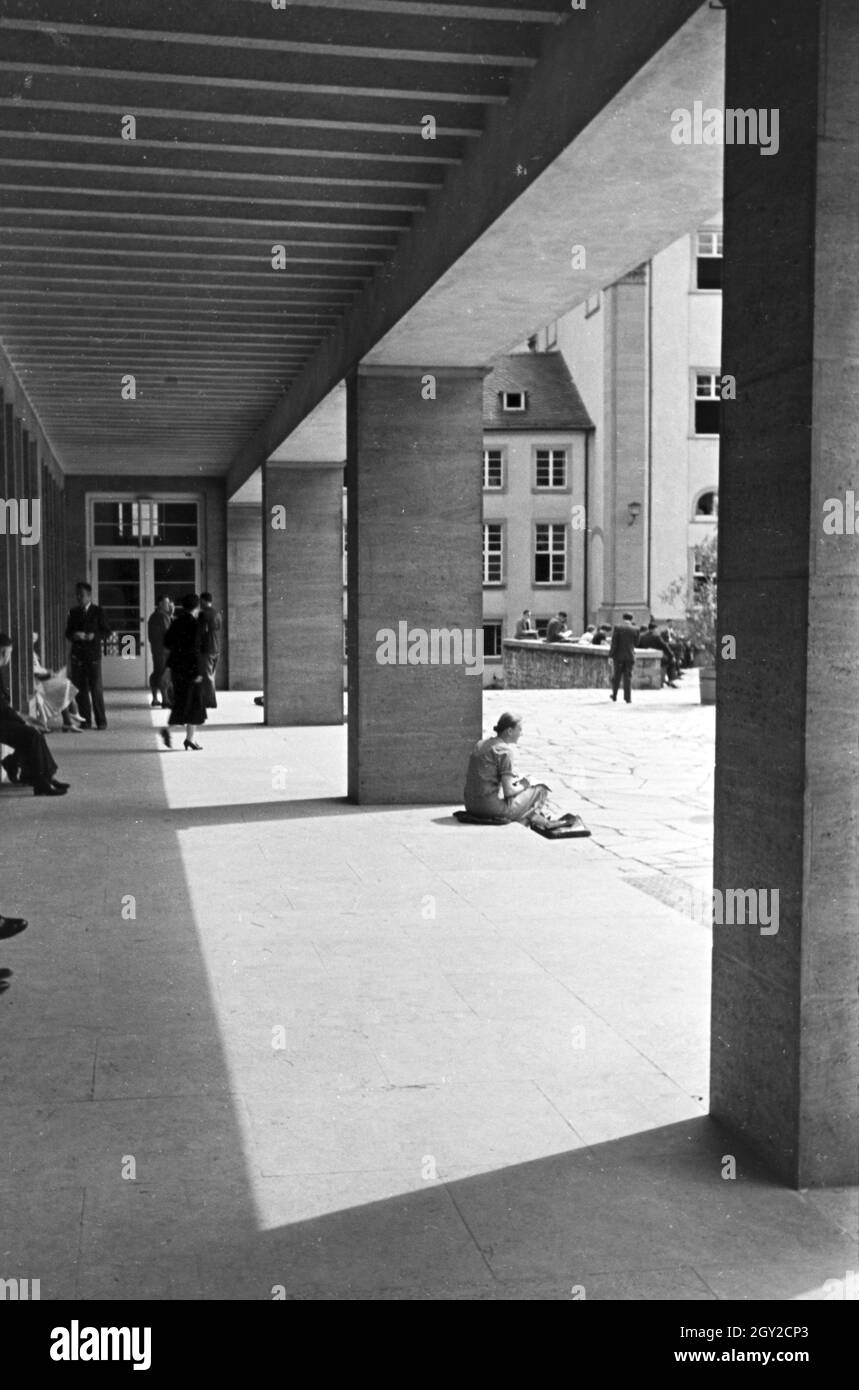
column 699, row 600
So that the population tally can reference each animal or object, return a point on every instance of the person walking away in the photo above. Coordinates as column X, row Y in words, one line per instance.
column 624, row 639
column 86, row 629
column 159, row 621
column 187, row 662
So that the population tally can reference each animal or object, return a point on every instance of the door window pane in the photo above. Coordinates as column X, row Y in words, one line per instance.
column 114, row 523
column 173, row 578
column 146, row 523
column 175, row 524
column 118, row 593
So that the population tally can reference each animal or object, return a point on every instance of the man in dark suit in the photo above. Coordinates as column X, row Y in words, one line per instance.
column 210, row 623
column 159, row 621
column 30, row 761
column 624, row 639
column 558, row 631
column 86, row 628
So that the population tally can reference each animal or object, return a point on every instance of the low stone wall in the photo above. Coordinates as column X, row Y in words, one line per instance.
column 566, row 666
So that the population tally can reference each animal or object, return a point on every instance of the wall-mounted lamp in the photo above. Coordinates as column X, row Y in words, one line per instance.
column 634, row 509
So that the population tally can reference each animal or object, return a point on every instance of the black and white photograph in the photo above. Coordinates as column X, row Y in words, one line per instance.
column 429, row 537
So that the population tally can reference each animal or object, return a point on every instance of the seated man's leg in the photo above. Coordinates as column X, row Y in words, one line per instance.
column 32, row 752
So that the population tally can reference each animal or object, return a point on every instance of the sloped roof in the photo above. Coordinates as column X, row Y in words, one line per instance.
column 553, row 401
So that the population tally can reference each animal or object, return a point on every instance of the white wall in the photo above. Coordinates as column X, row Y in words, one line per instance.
column 581, row 339
column 685, row 334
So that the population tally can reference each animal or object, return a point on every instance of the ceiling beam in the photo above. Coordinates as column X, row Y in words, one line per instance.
column 41, row 87
column 421, row 37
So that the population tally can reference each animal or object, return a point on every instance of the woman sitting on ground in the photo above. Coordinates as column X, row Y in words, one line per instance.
column 492, row 789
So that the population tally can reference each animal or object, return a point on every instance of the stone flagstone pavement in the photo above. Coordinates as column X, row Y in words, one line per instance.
column 259, row 1041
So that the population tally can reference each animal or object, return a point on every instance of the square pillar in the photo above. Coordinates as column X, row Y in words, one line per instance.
column 415, row 581
column 626, row 450
column 785, row 1027
column 244, row 595
column 303, row 592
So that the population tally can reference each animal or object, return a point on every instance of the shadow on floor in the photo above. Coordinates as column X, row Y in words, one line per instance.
column 129, row 1168
column 649, row 1216
column 310, row 809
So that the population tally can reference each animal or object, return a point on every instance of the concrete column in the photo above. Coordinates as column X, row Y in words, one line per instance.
column 414, row 563
column 6, row 541
column 626, row 448
column 303, row 592
column 244, row 595
column 785, row 1060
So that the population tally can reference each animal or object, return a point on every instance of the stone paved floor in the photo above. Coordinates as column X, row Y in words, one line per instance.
column 257, row 1038
column 641, row 775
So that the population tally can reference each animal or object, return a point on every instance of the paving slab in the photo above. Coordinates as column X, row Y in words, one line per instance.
column 277, row 1045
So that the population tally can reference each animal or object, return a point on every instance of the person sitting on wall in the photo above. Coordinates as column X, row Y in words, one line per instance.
column 30, row 761
column 558, row 631
column 602, row 635
column 678, row 649
column 492, row 789
column 588, row 637
column 651, row 638
column 525, row 629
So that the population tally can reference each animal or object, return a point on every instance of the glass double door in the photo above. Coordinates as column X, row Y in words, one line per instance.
column 128, row 587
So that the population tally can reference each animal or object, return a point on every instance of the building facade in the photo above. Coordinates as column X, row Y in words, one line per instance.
column 645, row 355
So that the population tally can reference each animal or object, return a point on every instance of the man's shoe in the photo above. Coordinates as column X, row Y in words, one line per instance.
column 85, row 725
column 62, row 786
column 13, row 767
column 612, row 697
column 49, row 789
column 155, row 704
column 11, row 926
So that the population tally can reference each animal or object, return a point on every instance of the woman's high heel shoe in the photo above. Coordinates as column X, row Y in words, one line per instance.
column 189, row 743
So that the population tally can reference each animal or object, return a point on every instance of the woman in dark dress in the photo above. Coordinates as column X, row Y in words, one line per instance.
column 184, row 641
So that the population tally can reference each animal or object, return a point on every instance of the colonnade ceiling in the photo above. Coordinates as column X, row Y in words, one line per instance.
column 212, row 210
column 153, row 152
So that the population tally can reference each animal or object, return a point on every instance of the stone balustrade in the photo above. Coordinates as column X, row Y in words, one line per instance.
column 566, row 665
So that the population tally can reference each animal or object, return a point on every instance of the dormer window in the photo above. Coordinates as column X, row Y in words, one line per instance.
column 513, row 400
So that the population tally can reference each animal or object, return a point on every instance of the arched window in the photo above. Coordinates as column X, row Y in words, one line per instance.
column 707, row 506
